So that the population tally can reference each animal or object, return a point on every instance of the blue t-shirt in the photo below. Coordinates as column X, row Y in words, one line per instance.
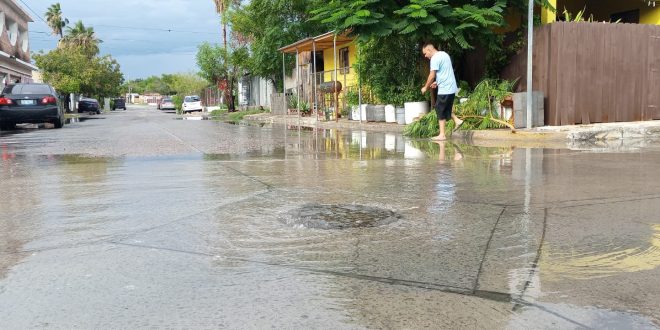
column 444, row 73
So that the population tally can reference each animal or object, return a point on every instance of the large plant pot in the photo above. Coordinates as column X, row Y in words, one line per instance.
column 355, row 113
column 363, row 112
column 390, row 114
column 400, row 116
column 379, row 113
column 415, row 110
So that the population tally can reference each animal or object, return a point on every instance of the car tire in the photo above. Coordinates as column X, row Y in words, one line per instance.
column 59, row 122
column 124, row 108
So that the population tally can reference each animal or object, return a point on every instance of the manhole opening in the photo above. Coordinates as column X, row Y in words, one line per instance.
column 323, row 216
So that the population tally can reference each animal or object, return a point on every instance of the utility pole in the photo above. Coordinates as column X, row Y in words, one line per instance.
column 530, row 50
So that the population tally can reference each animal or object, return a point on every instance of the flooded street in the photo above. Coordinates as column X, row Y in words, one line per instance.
column 133, row 219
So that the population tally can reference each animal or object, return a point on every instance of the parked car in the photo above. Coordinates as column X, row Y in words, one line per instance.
column 119, row 103
column 192, row 103
column 30, row 103
column 167, row 104
column 89, row 105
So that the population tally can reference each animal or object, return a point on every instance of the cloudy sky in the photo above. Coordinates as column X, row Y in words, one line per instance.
column 135, row 31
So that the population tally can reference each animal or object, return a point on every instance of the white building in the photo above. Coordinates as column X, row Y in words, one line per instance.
column 254, row 92
column 14, row 44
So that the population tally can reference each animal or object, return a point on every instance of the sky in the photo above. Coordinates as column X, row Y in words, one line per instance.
column 134, row 32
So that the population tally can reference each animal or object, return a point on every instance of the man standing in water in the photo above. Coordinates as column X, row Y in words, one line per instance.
column 443, row 74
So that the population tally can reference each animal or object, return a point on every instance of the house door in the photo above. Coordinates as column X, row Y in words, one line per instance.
column 653, row 97
column 319, row 67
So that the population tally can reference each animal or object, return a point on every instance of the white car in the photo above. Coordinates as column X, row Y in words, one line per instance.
column 192, row 103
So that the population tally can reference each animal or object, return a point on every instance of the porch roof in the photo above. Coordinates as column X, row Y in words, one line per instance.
column 324, row 41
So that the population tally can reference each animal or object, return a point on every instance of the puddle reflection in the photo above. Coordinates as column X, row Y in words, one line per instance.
column 312, row 143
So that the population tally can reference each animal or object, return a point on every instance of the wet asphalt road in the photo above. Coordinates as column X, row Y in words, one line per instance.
column 133, row 219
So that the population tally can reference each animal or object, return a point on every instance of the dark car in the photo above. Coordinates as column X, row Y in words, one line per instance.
column 167, row 104
column 30, row 103
column 119, row 103
column 89, row 105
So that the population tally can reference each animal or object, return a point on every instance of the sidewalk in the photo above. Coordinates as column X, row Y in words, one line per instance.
column 609, row 135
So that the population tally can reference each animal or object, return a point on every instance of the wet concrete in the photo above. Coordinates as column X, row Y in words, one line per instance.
column 138, row 220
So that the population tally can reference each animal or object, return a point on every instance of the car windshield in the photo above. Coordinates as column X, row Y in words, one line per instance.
column 192, row 99
column 27, row 89
column 167, row 100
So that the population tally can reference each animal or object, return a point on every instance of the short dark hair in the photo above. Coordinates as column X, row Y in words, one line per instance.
column 428, row 44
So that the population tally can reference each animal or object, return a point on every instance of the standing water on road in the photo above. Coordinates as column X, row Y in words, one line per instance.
column 169, row 225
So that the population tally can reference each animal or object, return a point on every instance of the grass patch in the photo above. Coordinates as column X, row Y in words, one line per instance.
column 239, row 115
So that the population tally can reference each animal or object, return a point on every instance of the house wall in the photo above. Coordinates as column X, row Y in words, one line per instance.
column 14, row 44
column 329, row 65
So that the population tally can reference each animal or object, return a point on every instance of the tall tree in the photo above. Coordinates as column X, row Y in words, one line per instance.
column 222, row 7
column 55, row 20
column 221, row 66
column 268, row 25
column 71, row 70
column 84, row 37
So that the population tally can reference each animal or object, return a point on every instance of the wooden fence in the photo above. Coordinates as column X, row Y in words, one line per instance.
column 594, row 72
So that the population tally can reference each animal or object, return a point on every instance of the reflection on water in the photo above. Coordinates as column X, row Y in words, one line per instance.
column 313, row 143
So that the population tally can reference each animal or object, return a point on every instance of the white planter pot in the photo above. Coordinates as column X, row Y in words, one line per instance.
column 390, row 114
column 363, row 112
column 355, row 113
column 415, row 110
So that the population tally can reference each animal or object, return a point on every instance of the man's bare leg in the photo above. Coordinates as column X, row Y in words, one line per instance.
column 457, row 122
column 441, row 136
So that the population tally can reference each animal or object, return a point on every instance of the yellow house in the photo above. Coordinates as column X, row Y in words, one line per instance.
column 628, row 11
column 315, row 65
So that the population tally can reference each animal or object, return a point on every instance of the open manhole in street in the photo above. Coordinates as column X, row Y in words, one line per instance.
column 323, row 216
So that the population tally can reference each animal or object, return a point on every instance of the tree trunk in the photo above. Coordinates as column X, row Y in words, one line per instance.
column 229, row 93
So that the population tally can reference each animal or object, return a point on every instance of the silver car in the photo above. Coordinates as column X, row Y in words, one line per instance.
column 166, row 104
column 192, row 103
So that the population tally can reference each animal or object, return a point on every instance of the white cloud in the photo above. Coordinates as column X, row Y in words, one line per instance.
column 142, row 49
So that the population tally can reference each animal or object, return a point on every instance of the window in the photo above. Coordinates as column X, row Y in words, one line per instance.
column 344, row 65
column 27, row 89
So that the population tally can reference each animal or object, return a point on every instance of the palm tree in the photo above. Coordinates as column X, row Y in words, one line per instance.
column 82, row 36
column 55, row 20
column 222, row 7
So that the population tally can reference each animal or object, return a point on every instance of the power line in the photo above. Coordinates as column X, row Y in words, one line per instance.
column 34, row 12
column 156, row 29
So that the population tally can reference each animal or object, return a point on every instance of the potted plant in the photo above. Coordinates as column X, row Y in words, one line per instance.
column 415, row 104
column 304, row 108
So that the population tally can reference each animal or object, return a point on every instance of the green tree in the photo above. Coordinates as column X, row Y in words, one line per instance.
column 222, row 68
column 266, row 26
column 84, row 37
column 457, row 24
column 55, row 20
column 71, row 70
column 223, row 7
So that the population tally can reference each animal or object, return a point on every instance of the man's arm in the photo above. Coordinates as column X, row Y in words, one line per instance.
column 429, row 81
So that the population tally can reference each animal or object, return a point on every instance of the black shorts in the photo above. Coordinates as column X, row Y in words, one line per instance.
column 443, row 105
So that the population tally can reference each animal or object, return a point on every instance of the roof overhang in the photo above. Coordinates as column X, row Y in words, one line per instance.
column 19, row 10
column 324, row 41
column 18, row 60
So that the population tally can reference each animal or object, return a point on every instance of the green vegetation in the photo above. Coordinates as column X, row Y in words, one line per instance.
column 224, row 115
column 479, row 112
column 269, row 25
column 75, row 66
